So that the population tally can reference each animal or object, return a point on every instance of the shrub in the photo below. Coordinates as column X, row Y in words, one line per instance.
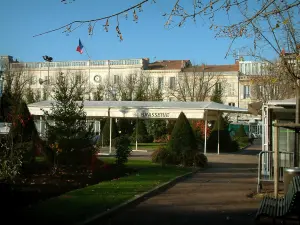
column 123, row 149
column 105, row 131
column 235, row 146
column 170, row 126
column 200, row 160
column 224, row 138
column 164, row 156
column 241, row 132
column 142, row 134
column 182, row 137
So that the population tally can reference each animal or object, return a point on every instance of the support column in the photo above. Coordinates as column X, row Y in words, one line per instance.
column 205, row 132
column 136, row 134
column 41, row 125
column 297, row 121
column 110, row 124
column 276, row 161
column 218, row 133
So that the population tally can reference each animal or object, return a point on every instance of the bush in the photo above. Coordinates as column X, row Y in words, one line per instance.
column 142, row 134
column 182, row 137
column 241, row 132
column 164, row 156
column 123, row 149
column 200, row 160
column 224, row 138
column 235, row 146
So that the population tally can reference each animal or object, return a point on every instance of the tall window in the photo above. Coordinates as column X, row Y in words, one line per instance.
column 231, row 104
column 160, row 83
column 218, row 86
column 246, row 91
column 78, row 78
column 116, row 79
column 172, row 83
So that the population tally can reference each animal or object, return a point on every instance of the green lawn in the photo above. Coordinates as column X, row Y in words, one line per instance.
column 148, row 146
column 78, row 205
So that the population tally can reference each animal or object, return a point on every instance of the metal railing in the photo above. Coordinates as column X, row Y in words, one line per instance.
column 266, row 166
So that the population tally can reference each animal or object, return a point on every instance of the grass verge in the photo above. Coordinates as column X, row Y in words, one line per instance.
column 81, row 204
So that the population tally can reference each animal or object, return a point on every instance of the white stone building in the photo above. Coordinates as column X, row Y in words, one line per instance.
column 165, row 75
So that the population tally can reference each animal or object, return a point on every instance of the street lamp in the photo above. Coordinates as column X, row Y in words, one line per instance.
column 47, row 59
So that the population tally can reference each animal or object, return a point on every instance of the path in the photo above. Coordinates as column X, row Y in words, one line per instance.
column 217, row 195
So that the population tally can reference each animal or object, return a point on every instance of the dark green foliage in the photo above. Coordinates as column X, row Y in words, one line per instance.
column 142, row 133
column 23, row 128
column 170, row 126
column 125, row 126
column 241, row 132
column 235, row 145
column 70, row 131
column 241, row 137
column 182, row 138
column 225, row 138
column 105, row 131
column 156, row 128
column 164, row 156
column 217, row 94
column 225, row 141
column 219, row 124
column 194, row 158
column 200, row 160
column 190, row 158
column 123, row 149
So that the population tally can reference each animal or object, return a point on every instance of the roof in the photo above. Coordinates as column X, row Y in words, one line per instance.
column 284, row 102
column 145, row 109
column 168, row 65
column 150, row 104
column 213, row 68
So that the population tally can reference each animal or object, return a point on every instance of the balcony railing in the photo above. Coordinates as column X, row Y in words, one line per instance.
column 91, row 63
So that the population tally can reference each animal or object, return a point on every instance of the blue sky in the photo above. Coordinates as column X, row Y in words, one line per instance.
column 21, row 20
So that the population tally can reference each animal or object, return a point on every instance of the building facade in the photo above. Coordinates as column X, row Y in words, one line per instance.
column 178, row 80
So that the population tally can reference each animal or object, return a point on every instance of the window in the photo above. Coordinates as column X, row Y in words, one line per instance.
column 78, row 78
column 172, row 83
column 231, row 103
column 246, row 91
column 116, row 79
column 218, row 86
column 160, row 83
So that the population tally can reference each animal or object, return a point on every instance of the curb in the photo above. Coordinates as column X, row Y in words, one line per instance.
column 138, row 199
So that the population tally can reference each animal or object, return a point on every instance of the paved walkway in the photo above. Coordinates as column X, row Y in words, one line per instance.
column 217, row 195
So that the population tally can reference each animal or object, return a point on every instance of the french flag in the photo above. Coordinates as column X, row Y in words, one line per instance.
column 80, row 47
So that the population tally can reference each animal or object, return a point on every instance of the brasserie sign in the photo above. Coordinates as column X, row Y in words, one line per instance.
column 155, row 115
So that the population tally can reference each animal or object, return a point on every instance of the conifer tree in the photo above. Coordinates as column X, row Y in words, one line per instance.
column 66, row 121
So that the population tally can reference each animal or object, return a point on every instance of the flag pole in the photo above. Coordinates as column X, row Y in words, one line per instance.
column 89, row 69
column 86, row 50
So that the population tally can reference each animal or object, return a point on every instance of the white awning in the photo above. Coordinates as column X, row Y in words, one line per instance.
column 145, row 109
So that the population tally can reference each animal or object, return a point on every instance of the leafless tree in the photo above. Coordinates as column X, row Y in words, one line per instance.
column 135, row 86
column 274, row 85
column 16, row 80
column 194, row 84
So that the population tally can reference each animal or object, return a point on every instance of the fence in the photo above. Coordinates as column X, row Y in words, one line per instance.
column 266, row 166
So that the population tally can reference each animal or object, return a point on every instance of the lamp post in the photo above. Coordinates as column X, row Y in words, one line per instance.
column 48, row 59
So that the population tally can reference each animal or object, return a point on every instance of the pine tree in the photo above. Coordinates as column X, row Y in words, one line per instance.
column 182, row 137
column 142, row 133
column 66, row 121
column 224, row 138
